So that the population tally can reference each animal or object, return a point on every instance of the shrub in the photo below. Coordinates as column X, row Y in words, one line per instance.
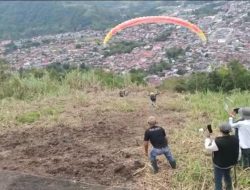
column 233, row 76
column 137, row 76
column 78, row 46
column 159, row 67
column 109, row 79
column 174, row 53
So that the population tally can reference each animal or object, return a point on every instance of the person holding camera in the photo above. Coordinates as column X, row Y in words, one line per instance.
column 233, row 114
column 242, row 128
column 225, row 150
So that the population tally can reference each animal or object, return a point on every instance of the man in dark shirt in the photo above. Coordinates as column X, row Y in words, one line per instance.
column 225, row 151
column 157, row 137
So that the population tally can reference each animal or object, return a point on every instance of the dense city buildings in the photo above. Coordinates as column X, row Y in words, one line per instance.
column 228, row 33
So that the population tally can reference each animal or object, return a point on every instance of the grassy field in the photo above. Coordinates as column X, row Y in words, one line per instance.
column 182, row 114
column 195, row 170
column 90, row 95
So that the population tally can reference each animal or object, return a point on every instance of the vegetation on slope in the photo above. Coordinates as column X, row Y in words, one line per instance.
column 59, row 78
column 45, row 95
column 181, row 114
column 226, row 78
column 25, row 84
column 195, row 168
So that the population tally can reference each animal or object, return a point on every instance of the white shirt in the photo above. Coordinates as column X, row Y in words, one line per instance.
column 244, row 132
column 210, row 145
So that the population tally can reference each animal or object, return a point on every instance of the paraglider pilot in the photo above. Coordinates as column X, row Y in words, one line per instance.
column 152, row 97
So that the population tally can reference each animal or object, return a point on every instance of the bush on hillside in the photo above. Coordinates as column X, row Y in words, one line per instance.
column 174, row 53
column 159, row 67
column 10, row 48
column 233, row 76
column 4, row 71
column 137, row 76
column 78, row 46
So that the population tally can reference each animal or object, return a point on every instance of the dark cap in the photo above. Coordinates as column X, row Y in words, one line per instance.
column 225, row 128
column 246, row 113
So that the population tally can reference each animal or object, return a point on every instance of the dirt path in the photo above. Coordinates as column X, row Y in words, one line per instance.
column 98, row 141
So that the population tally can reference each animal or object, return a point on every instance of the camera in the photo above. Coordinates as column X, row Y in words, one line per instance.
column 236, row 110
column 209, row 128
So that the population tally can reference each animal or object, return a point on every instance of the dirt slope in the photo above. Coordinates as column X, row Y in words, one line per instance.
column 95, row 140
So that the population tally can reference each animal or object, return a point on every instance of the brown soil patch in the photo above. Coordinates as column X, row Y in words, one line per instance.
column 102, row 147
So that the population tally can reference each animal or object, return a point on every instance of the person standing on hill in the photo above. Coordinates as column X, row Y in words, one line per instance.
column 157, row 137
column 225, row 151
column 152, row 96
column 122, row 93
column 233, row 114
column 243, row 128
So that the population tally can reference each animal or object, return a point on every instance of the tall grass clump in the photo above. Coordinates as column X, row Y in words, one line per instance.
column 109, row 79
column 81, row 80
column 28, row 87
column 60, row 78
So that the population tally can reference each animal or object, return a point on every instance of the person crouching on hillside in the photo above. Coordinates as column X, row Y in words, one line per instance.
column 225, row 151
column 157, row 137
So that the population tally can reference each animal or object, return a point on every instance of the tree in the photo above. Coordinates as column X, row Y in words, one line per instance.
column 239, row 75
column 137, row 76
column 159, row 67
column 4, row 70
column 11, row 47
column 181, row 71
column 163, row 36
column 78, row 46
column 83, row 66
column 173, row 53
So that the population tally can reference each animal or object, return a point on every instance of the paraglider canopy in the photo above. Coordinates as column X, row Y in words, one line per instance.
column 155, row 19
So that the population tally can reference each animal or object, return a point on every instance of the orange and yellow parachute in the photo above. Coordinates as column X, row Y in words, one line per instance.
column 155, row 19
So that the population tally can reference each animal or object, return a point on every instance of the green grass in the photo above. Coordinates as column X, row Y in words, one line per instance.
column 29, row 117
column 30, row 100
column 195, row 167
column 123, row 105
column 30, row 85
column 32, row 116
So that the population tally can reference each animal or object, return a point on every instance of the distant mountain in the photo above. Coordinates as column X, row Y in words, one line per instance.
column 26, row 19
